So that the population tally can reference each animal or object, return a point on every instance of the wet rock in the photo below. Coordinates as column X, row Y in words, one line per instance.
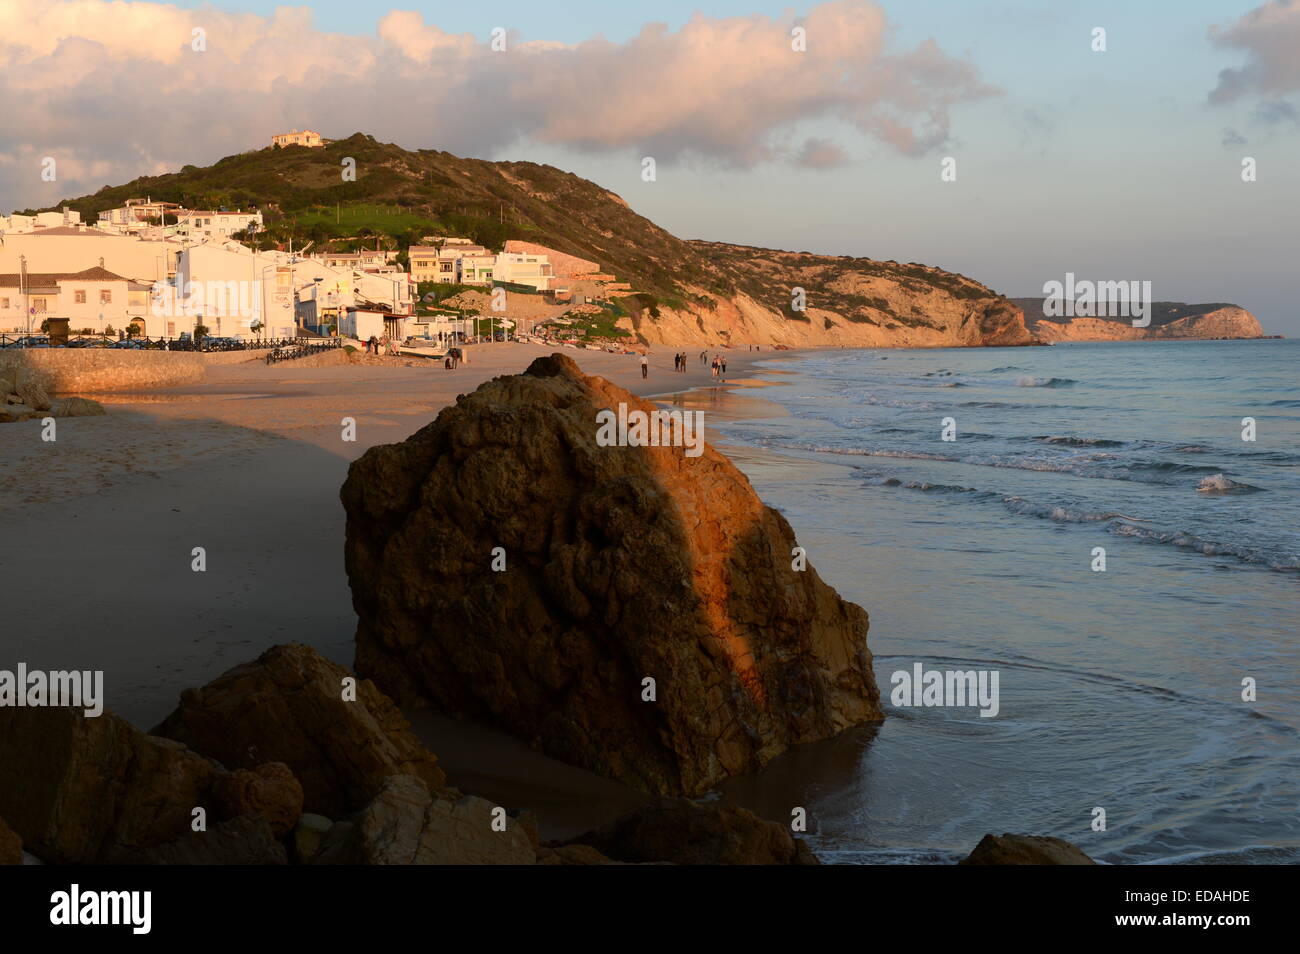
column 1010, row 849
column 683, row 832
column 622, row 564
column 86, row 790
column 288, row 706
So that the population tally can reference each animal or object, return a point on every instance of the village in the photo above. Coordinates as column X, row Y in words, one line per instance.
column 154, row 274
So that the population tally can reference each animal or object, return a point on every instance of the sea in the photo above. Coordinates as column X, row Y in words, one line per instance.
column 1112, row 528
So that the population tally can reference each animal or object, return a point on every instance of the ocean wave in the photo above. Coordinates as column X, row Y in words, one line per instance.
column 1004, row 369
column 1284, row 563
column 1030, row 382
column 1219, row 484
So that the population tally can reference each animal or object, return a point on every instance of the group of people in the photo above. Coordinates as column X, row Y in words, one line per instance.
column 379, row 346
column 679, row 363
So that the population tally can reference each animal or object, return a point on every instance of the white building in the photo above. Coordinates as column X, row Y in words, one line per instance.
column 19, row 223
column 523, row 269
column 220, row 225
column 76, row 248
column 93, row 299
column 232, row 291
column 303, row 137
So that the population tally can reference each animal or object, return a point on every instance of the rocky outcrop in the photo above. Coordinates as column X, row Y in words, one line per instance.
column 678, row 831
column 292, row 705
column 86, row 790
column 1169, row 320
column 1010, row 849
column 11, row 845
column 270, row 792
column 650, row 622
column 406, row 824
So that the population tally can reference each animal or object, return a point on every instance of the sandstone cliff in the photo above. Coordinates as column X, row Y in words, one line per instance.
column 850, row 302
column 621, row 565
column 1169, row 320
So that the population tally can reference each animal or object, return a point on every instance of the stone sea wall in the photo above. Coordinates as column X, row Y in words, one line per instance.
column 92, row 371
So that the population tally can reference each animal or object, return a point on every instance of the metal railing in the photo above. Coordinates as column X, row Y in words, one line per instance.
column 150, row 343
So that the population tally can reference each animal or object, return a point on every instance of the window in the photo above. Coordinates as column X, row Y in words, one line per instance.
column 105, row 296
column 4, row 302
column 80, row 296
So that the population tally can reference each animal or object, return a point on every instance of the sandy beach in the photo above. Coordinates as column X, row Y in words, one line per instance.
column 247, row 464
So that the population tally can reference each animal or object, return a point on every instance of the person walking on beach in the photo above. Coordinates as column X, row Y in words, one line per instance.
column 722, row 364
column 645, row 365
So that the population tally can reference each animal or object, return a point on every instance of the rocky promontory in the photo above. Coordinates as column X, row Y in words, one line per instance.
column 634, row 610
column 1169, row 320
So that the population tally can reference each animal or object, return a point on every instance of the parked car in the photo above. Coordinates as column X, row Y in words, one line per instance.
column 30, row 341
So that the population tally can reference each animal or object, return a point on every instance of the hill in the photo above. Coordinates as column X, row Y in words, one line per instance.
column 688, row 292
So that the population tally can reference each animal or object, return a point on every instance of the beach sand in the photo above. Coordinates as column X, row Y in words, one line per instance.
column 100, row 528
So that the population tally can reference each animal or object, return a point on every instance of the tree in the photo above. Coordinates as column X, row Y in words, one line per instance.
column 133, row 329
column 200, row 332
column 109, row 330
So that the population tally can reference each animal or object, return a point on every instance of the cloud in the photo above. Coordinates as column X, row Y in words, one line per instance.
column 1273, row 112
column 820, row 154
column 116, row 89
column 1269, row 35
column 1232, row 138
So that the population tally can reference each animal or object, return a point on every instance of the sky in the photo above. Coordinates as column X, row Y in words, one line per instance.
column 1122, row 164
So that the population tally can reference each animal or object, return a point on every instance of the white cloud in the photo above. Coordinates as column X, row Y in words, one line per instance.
column 114, row 89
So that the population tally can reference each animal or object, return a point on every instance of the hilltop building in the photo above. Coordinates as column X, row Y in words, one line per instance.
column 304, row 137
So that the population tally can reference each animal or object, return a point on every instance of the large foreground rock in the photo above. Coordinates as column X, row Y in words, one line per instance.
column 1010, row 849
column 86, row 790
column 289, row 706
column 622, row 564
column 678, row 831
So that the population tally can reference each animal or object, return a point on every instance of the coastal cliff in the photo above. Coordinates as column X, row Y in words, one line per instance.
column 1169, row 320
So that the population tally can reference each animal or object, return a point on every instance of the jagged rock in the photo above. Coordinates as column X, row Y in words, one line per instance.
column 11, row 845
column 269, row 791
column 407, row 825
column 86, row 790
column 683, row 832
column 288, row 706
column 1010, row 849
column 622, row 563
column 308, row 836
column 246, row 840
